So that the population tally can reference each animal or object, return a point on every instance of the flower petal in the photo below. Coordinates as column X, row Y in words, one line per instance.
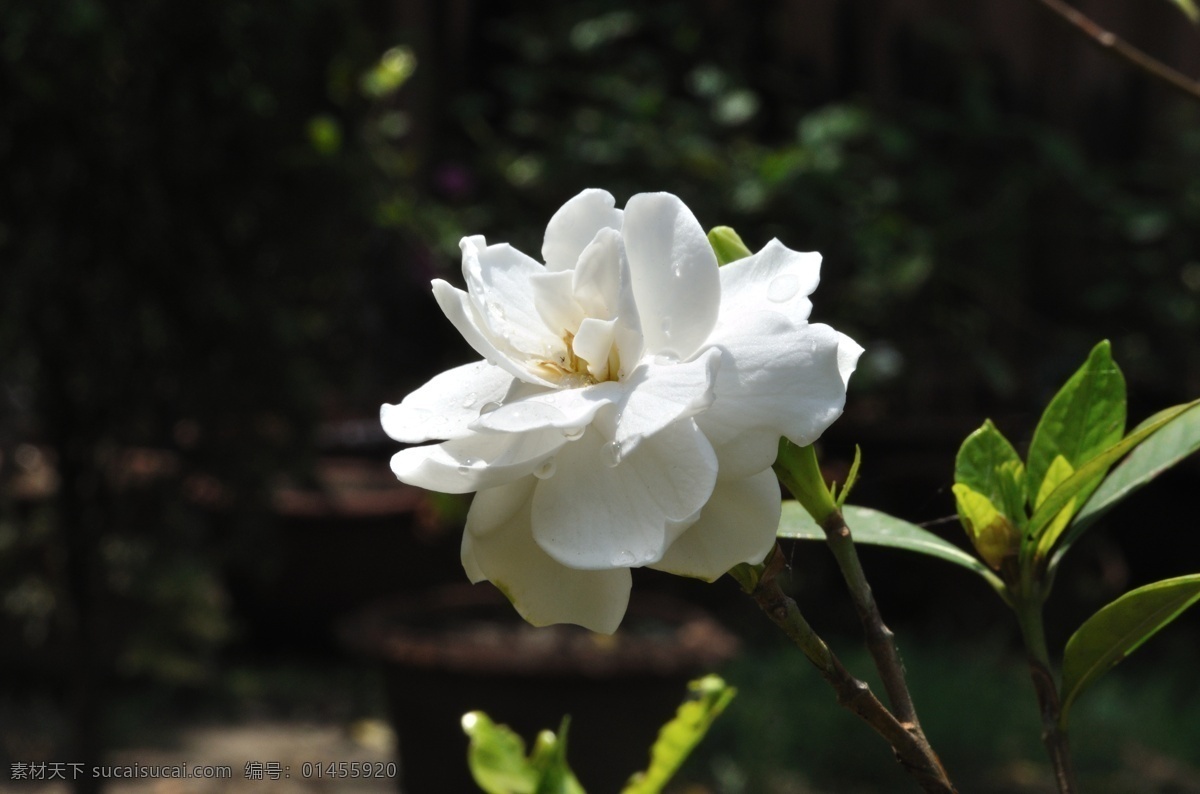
column 564, row 409
column 498, row 546
column 477, row 460
column 674, row 272
column 776, row 277
column 498, row 279
column 779, row 378
column 737, row 525
column 575, row 225
column 658, row 394
column 594, row 344
column 459, row 309
column 444, row 406
column 594, row 515
column 603, row 288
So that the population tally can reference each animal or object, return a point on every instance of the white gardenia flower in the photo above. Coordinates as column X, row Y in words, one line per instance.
column 628, row 406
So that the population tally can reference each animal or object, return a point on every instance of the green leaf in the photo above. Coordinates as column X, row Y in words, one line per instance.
column 1081, row 480
column 549, row 759
column 1086, row 417
column 727, row 245
column 992, row 535
column 880, row 529
column 988, row 464
column 1188, row 7
column 707, row 698
column 496, row 757
column 1174, row 441
column 1119, row 629
column 1056, row 475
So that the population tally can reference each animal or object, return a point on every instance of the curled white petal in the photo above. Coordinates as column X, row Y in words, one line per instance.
column 674, row 273
column 446, row 405
column 778, row 378
column 602, row 509
column 477, row 460
column 737, row 525
column 775, row 279
column 659, row 394
column 497, row 546
column 575, row 225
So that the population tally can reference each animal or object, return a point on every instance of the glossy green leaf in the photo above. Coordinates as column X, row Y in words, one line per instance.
column 707, row 698
column 496, row 757
column 1171, row 443
column 1080, row 481
column 1086, row 417
column 1188, row 7
column 988, row 465
column 991, row 533
column 880, row 529
column 1119, row 629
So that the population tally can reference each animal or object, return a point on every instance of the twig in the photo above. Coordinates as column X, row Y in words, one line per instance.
column 1029, row 617
column 1113, row 43
column 881, row 642
column 912, row 751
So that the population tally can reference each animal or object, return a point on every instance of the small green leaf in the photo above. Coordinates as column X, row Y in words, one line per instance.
column 1060, row 469
column 992, row 535
column 1174, row 441
column 1082, row 479
column 496, row 757
column 707, row 698
column 988, row 465
column 1086, row 417
column 1119, row 629
column 727, row 245
column 549, row 759
column 880, row 529
column 1188, row 7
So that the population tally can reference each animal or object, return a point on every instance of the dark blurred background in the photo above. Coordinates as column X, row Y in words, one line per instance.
column 218, row 222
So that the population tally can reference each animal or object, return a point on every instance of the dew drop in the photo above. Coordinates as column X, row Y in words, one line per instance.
column 573, row 433
column 678, row 270
column 624, row 557
column 467, row 464
column 488, row 408
column 610, row 453
column 546, row 470
column 783, row 288
column 470, row 400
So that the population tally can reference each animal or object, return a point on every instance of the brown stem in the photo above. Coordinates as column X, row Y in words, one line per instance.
column 1111, row 42
column 881, row 642
column 1029, row 617
column 912, row 750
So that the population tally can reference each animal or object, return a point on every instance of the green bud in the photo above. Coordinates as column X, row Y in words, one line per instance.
column 727, row 245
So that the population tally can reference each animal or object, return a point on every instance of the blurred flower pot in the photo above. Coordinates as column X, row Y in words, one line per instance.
column 464, row 648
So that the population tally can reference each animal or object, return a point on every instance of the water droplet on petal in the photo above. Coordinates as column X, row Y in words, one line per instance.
column 677, row 270
column 469, row 401
column 488, row 408
column 610, row 454
column 783, row 288
column 624, row 557
column 468, row 464
column 573, row 433
column 546, row 469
